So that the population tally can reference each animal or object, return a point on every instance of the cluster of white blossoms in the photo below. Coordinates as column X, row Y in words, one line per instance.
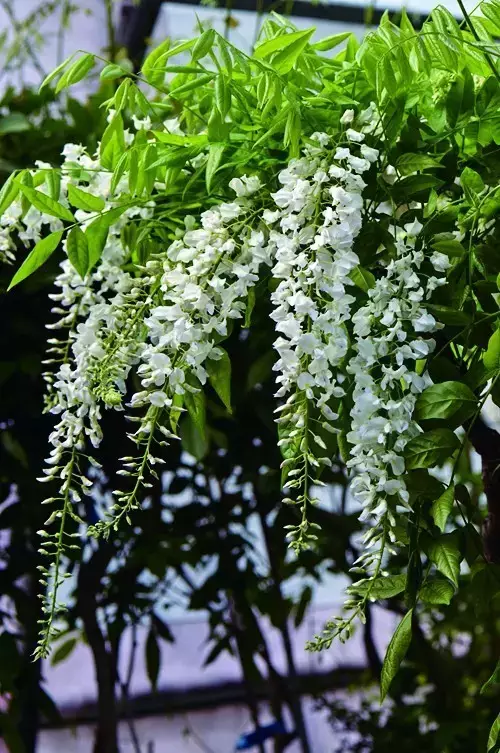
column 194, row 291
column 203, row 282
column 92, row 312
column 319, row 215
column 163, row 321
column 391, row 335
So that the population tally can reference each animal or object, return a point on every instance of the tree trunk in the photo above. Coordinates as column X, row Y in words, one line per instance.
column 89, row 582
column 486, row 442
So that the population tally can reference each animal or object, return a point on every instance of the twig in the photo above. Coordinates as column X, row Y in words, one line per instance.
column 18, row 28
column 125, row 688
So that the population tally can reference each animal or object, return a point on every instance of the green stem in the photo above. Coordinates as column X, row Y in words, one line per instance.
column 63, row 24
column 43, row 648
column 111, row 30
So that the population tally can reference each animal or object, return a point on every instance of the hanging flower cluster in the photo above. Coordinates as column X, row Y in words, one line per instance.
column 195, row 291
column 390, row 339
column 159, row 324
column 202, row 286
column 388, row 344
column 319, row 216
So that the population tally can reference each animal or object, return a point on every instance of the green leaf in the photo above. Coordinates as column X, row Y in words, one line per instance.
column 195, row 83
column 76, row 72
column 281, row 42
column 494, row 732
column 195, row 404
column 450, row 247
column 423, row 486
column 63, row 651
column 472, row 183
column 396, row 652
column 445, row 554
column 180, row 140
column 152, row 61
column 381, row 588
column 276, row 125
column 97, row 232
column 215, row 152
column 112, row 143
column 10, row 190
column 133, row 170
column 415, row 184
column 328, row 43
column 410, row 163
column 444, row 400
column 192, row 441
column 442, row 507
column 203, row 45
column 120, row 169
column 45, row 204
column 14, row 122
column 176, row 411
column 40, row 253
column 184, row 69
column 112, row 71
column 83, row 200
column 293, row 131
column 25, row 179
column 51, row 76
column 53, row 180
column 222, row 94
column 219, row 376
column 492, row 12
column 78, row 250
column 362, row 278
column 286, row 58
column 459, row 100
column 491, row 357
column 493, row 680
column 449, row 315
column 217, row 129
column 153, row 657
column 120, row 99
column 250, row 307
column 152, row 67
column 437, row 591
column 431, row 448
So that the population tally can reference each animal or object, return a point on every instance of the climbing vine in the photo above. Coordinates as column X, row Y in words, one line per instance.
column 353, row 196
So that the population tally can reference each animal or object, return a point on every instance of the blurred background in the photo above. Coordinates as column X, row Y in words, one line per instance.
column 187, row 632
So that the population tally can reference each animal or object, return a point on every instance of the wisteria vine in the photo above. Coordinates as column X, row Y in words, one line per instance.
column 351, row 345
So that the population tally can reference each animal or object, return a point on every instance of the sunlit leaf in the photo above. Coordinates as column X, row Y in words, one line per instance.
column 431, row 448
column 38, row 256
column 45, row 204
column 445, row 554
column 445, row 399
column 78, row 250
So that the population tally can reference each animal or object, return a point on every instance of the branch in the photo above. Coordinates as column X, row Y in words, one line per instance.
column 372, row 656
column 89, row 581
